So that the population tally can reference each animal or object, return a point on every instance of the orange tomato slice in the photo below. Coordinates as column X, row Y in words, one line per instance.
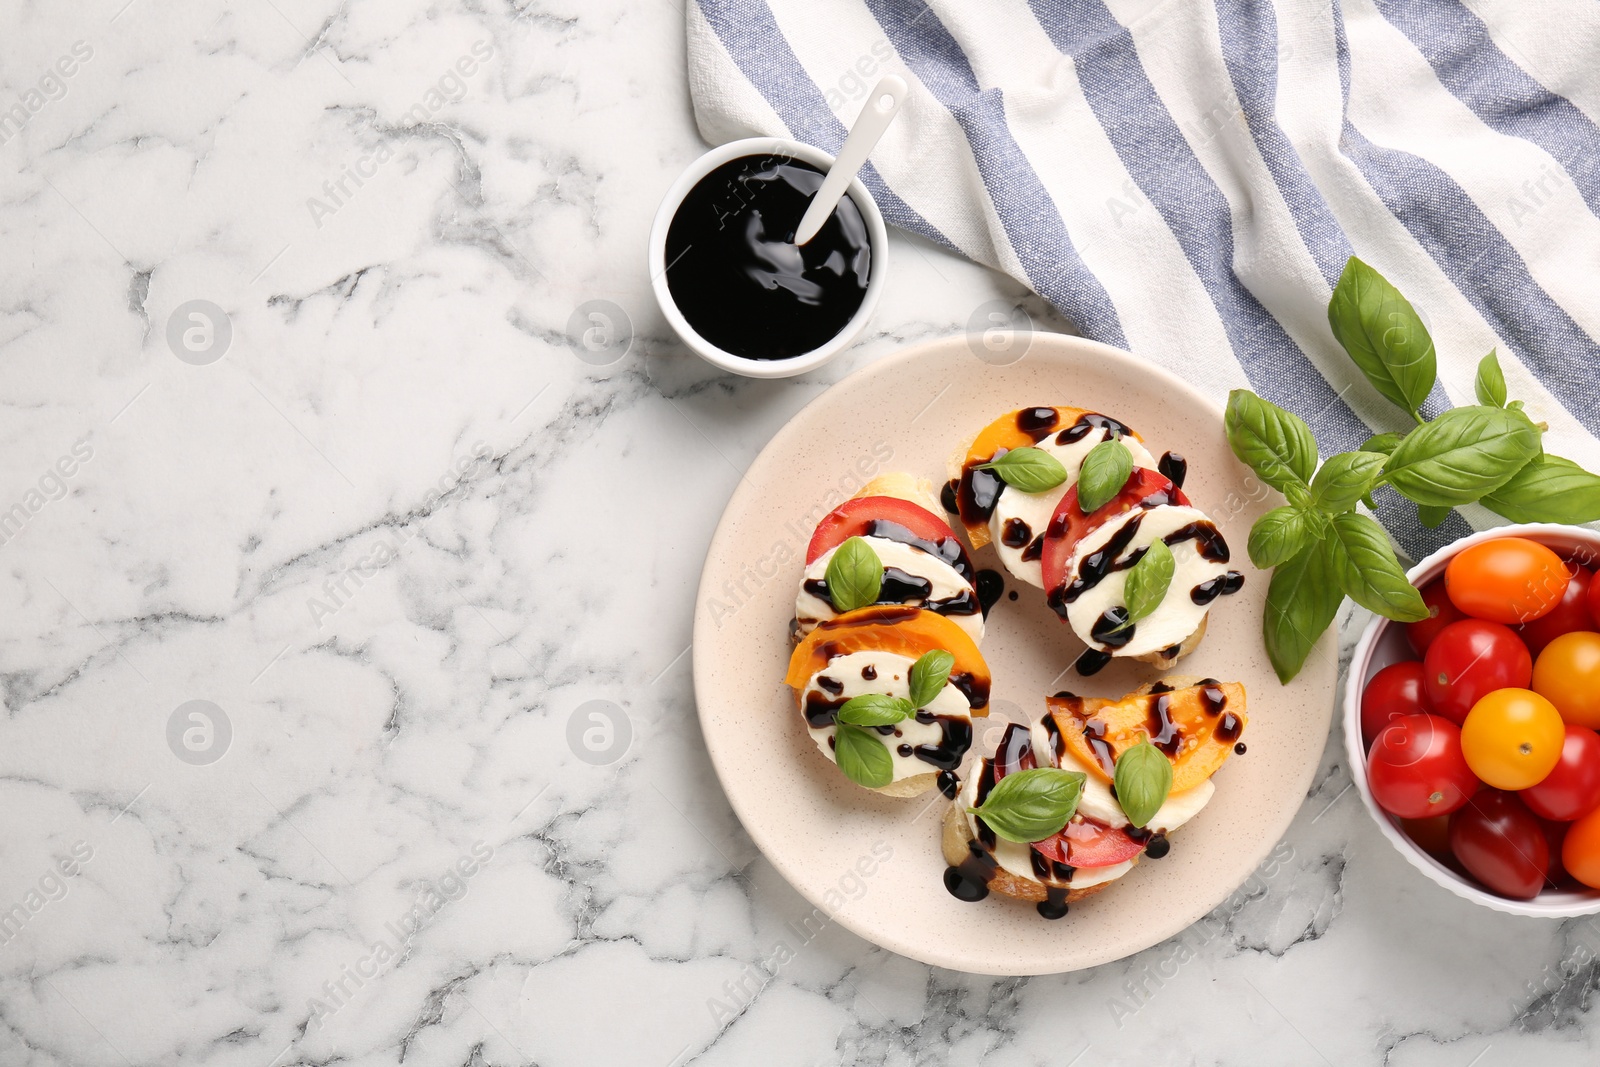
column 1196, row 727
column 905, row 631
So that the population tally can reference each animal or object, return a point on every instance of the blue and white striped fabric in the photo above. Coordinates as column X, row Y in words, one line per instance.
column 1186, row 178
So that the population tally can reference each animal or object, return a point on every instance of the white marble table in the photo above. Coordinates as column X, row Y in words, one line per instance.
column 367, row 503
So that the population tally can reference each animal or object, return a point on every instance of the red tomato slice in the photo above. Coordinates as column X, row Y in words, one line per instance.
column 1070, row 525
column 892, row 518
column 1089, row 844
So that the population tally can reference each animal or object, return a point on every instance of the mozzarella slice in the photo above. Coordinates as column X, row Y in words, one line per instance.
column 869, row 671
column 1026, row 515
column 1178, row 616
column 944, row 580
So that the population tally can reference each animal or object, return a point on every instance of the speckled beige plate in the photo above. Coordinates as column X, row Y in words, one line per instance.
column 872, row 863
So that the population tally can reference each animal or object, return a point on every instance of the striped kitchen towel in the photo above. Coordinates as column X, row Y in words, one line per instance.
column 1186, row 178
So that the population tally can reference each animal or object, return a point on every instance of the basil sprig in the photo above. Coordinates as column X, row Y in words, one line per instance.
column 1384, row 335
column 1321, row 548
column 855, row 576
column 929, row 675
column 1148, row 581
column 1462, row 456
column 862, row 757
column 1104, row 472
column 854, row 745
column 1549, row 489
column 875, row 709
column 1032, row 470
column 1031, row 805
column 1490, row 384
column 1143, row 779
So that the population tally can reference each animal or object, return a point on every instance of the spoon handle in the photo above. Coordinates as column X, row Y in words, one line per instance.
column 882, row 105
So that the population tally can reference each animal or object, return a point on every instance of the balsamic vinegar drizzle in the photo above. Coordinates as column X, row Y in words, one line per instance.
column 1015, row 534
column 947, row 548
column 1175, row 467
column 1163, row 731
column 990, row 585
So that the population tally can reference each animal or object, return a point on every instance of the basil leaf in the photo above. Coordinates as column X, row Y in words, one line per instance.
column 875, row 709
column 1275, row 443
column 1143, row 780
column 1548, row 489
column 1384, row 336
column 855, row 576
column 1368, row 571
column 1383, row 442
column 862, row 757
column 1463, row 455
column 1279, row 535
column 1032, row 470
column 1432, row 515
column 1302, row 600
column 1031, row 805
column 1491, row 382
column 1345, row 479
column 1104, row 472
column 1149, row 580
column 929, row 675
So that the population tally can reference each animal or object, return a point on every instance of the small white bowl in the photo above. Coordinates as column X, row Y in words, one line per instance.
column 877, row 236
column 1384, row 642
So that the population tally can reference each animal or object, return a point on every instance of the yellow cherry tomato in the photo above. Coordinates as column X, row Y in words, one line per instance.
column 1567, row 673
column 1512, row 738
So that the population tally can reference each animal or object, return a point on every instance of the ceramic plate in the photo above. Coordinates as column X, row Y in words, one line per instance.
column 872, row 863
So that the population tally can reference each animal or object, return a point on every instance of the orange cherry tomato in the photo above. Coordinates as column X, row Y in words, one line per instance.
column 1567, row 674
column 1509, row 579
column 1512, row 738
column 1580, row 851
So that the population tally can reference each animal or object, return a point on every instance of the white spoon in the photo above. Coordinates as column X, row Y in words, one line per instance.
column 882, row 106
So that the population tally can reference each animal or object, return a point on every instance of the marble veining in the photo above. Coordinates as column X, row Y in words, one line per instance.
column 347, row 710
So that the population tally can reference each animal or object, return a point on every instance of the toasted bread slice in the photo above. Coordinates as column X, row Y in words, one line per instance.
column 1162, row 662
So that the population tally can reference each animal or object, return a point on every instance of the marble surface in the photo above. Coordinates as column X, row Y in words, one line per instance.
column 427, row 562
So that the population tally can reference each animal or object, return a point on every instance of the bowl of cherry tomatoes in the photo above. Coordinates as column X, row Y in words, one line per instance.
column 1474, row 735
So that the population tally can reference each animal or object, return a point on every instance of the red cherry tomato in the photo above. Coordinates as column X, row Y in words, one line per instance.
column 1416, row 769
column 1430, row 835
column 1580, row 851
column 1469, row 660
column 1502, row 844
column 1442, row 614
column 1394, row 691
column 1594, row 603
column 1508, row 579
column 1555, row 833
column 1570, row 615
column 1086, row 843
column 1069, row 524
column 1572, row 789
column 860, row 516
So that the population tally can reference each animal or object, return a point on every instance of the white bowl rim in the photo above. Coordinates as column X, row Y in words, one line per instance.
column 877, row 235
column 1355, row 680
